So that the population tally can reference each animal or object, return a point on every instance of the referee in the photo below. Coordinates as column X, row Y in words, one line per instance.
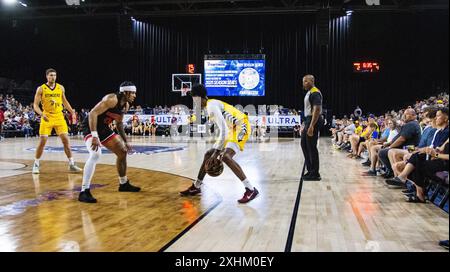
column 312, row 124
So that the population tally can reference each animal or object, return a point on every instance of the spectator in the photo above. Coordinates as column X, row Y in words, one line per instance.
column 419, row 168
column 428, row 119
column 388, row 135
column 439, row 138
column 153, row 126
column 357, row 139
column 73, row 122
column 83, row 115
column 2, row 119
column 297, row 131
column 27, row 129
column 146, row 127
column 409, row 135
column 174, row 126
column 137, row 125
column 333, row 122
column 371, row 135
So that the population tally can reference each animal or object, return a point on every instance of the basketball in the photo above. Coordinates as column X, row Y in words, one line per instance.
column 216, row 169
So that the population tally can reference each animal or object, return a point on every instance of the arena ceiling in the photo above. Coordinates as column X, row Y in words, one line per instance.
column 41, row 9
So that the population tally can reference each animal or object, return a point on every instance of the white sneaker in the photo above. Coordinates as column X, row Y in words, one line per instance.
column 74, row 168
column 35, row 169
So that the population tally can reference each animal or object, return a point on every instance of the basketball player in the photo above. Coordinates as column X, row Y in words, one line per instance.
column 234, row 131
column 97, row 133
column 52, row 97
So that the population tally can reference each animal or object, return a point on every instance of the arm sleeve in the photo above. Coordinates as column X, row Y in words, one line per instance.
column 315, row 99
column 215, row 114
column 408, row 131
column 423, row 138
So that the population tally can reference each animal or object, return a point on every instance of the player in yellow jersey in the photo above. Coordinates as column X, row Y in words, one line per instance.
column 234, row 130
column 51, row 96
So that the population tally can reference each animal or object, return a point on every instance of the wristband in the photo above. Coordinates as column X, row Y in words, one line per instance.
column 94, row 134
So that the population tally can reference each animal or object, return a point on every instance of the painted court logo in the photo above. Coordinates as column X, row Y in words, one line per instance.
column 137, row 149
column 19, row 207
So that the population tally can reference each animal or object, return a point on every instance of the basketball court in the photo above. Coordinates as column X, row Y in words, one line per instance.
column 343, row 212
column 211, row 117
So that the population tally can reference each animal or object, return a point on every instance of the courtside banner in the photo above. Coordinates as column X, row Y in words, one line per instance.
column 275, row 120
column 162, row 120
column 268, row 120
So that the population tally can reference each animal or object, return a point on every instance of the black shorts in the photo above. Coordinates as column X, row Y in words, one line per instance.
column 105, row 134
column 362, row 140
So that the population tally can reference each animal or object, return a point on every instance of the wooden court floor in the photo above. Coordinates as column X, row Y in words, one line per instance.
column 344, row 212
column 41, row 212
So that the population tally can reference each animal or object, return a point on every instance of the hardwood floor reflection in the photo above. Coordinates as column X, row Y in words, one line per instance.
column 41, row 212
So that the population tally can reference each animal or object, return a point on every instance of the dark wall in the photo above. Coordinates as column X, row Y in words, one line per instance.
column 413, row 51
column 166, row 46
column 85, row 53
column 411, row 48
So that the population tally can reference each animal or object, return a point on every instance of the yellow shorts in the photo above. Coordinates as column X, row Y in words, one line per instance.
column 239, row 135
column 58, row 123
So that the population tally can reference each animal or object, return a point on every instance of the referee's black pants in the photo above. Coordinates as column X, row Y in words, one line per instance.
column 309, row 147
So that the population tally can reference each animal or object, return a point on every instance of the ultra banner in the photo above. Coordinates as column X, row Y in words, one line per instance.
column 275, row 120
column 162, row 120
column 268, row 120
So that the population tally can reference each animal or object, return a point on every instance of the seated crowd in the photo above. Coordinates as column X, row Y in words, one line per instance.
column 139, row 125
column 409, row 147
column 17, row 120
column 21, row 121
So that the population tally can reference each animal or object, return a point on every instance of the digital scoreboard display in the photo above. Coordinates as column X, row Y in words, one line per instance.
column 235, row 75
column 366, row 67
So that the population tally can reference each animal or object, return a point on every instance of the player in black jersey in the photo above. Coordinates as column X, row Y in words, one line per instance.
column 97, row 133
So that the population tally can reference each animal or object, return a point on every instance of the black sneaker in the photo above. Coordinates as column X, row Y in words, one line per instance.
column 410, row 186
column 366, row 163
column 86, row 197
column 312, row 178
column 191, row 191
column 127, row 187
column 370, row 173
column 388, row 175
column 444, row 244
column 348, row 147
column 307, row 174
column 410, row 194
column 408, row 191
column 395, row 182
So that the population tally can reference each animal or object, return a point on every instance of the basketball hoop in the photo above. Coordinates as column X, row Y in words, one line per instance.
column 184, row 91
